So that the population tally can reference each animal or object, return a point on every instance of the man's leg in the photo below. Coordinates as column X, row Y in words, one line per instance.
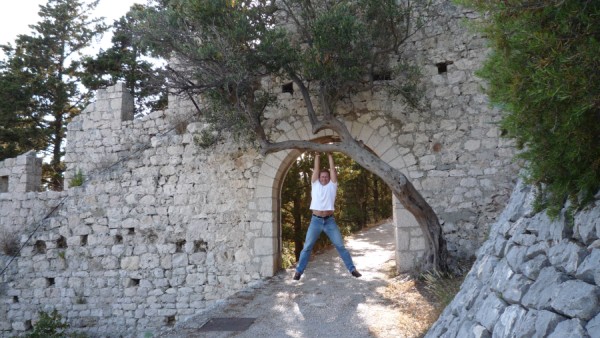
column 312, row 235
column 333, row 232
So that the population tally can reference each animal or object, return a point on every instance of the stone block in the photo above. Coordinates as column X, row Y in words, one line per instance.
column 569, row 329
column 131, row 263
column 525, row 325
column 593, row 327
column 575, row 298
column 531, row 268
column 589, row 270
column 491, row 310
column 587, row 225
column 545, row 322
column 506, row 324
column 514, row 289
column 567, row 256
column 544, row 289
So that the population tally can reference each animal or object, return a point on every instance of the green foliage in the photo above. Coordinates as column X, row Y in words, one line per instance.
column 51, row 325
column 19, row 131
column 544, row 71
column 205, row 139
column 78, row 179
column 128, row 61
column 46, row 69
column 224, row 49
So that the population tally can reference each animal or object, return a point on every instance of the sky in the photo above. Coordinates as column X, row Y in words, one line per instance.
column 16, row 16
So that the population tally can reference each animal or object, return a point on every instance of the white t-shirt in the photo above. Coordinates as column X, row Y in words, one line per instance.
column 323, row 196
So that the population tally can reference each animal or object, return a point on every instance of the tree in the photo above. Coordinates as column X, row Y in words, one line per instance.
column 46, row 69
column 19, row 131
column 329, row 49
column 544, row 71
column 130, row 62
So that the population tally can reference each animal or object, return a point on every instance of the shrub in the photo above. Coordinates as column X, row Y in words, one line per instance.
column 543, row 72
column 51, row 325
column 9, row 242
column 77, row 180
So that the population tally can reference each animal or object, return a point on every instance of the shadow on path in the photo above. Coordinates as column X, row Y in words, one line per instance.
column 326, row 302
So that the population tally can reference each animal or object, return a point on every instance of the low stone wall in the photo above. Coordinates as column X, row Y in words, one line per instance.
column 534, row 277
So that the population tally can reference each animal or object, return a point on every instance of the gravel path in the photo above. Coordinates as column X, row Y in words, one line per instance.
column 326, row 302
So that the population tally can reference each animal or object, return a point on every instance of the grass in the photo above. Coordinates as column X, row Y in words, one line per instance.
column 419, row 299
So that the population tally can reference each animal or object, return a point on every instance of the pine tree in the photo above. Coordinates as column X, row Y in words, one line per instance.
column 46, row 66
column 130, row 62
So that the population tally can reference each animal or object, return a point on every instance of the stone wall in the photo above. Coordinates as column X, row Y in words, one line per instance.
column 21, row 174
column 534, row 277
column 163, row 228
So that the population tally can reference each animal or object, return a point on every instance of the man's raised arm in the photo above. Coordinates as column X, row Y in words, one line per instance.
column 332, row 171
column 317, row 168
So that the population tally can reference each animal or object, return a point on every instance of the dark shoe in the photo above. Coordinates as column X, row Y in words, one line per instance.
column 297, row 275
column 356, row 274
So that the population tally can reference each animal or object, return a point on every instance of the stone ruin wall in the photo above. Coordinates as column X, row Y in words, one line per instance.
column 163, row 228
column 534, row 277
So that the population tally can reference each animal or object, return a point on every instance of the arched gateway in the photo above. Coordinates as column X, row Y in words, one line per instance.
column 410, row 243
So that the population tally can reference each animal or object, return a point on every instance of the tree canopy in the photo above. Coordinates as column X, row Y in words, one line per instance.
column 544, row 71
column 129, row 62
column 46, row 68
column 230, row 54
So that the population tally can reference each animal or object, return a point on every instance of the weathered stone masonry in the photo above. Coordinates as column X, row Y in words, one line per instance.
column 534, row 277
column 163, row 228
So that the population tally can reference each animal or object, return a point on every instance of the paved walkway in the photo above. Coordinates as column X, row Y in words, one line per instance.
column 326, row 302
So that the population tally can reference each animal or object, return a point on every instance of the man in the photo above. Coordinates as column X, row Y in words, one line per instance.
column 324, row 189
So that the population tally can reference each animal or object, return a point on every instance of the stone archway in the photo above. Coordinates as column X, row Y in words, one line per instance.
column 409, row 238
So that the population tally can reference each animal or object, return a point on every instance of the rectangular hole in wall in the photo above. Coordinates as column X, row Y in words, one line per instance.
column 180, row 245
column 130, row 231
column 49, row 282
column 288, row 88
column 3, row 184
column 15, row 299
column 84, row 239
column 133, row 282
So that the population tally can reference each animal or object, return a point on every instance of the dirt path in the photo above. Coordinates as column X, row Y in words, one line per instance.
column 326, row 302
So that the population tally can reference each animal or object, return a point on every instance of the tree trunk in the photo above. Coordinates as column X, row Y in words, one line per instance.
column 436, row 254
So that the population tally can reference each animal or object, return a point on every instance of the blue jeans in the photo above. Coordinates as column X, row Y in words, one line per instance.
column 318, row 225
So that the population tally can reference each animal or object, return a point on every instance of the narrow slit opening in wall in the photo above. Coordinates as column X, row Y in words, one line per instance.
column 28, row 325
column 61, row 242
column 200, row 246
column 179, row 245
column 288, row 88
column 84, row 240
column 39, row 247
column 3, row 184
column 134, row 282
column 50, row 282
column 442, row 67
column 382, row 76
